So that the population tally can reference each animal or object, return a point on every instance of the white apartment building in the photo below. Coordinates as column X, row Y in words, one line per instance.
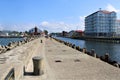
column 102, row 23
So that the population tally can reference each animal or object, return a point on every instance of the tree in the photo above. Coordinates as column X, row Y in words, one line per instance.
column 46, row 32
column 26, row 32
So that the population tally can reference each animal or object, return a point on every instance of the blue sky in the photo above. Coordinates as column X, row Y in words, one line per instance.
column 53, row 15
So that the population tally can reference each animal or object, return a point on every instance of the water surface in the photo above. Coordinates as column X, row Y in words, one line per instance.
column 100, row 47
column 5, row 41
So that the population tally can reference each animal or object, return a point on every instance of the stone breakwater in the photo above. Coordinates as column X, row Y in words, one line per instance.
column 14, row 60
column 92, row 53
column 12, row 45
column 60, row 62
column 66, row 63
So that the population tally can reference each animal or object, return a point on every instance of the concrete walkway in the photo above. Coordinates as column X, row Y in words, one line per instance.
column 29, row 67
column 66, row 63
column 17, row 58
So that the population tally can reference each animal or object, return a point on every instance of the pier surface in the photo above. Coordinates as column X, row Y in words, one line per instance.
column 64, row 63
column 75, row 65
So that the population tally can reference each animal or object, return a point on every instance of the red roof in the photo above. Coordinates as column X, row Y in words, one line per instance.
column 106, row 12
column 79, row 31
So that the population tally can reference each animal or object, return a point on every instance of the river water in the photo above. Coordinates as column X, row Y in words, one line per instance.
column 5, row 41
column 100, row 47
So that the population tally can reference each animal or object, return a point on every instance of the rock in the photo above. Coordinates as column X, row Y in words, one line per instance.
column 116, row 65
column 3, row 49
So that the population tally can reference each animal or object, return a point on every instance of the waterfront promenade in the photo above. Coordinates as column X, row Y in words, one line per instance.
column 18, row 58
column 75, row 65
column 65, row 63
column 60, row 62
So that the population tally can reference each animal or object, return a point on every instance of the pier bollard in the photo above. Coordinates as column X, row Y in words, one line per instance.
column 41, row 41
column 0, row 49
column 37, row 63
column 81, row 50
column 116, row 65
column 69, row 44
column 64, row 43
column 97, row 56
column 73, row 46
column 15, row 44
column 10, row 44
column 19, row 43
column 106, row 57
column 25, row 41
column 102, row 58
column 93, row 53
column 78, row 48
column 84, row 50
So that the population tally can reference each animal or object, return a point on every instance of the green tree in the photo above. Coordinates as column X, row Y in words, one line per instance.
column 46, row 32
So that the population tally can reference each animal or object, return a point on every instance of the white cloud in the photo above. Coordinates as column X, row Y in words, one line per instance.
column 82, row 22
column 53, row 26
column 60, row 26
column 46, row 25
column 1, row 28
column 16, row 27
column 26, row 27
column 112, row 8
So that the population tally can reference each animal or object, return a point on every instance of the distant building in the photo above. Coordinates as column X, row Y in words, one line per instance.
column 76, row 33
column 3, row 34
column 64, row 33
column 118, row 27
column 71, row 33
column 79, row 33
column 35, row 31
column 101, row 23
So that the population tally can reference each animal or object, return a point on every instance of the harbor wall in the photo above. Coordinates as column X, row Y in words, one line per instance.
column 105, row 58
column 14, row 62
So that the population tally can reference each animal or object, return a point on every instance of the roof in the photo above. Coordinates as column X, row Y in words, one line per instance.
column 106, row 12
column 103, row 11
column 33, row 30
column 79, row 31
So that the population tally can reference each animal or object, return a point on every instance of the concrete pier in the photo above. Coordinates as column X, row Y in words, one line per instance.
column 60, row 62
column 18, row 58
column 75, row 65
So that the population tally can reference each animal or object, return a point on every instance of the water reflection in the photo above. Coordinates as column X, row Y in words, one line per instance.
column 5, row 41
column 100, row 47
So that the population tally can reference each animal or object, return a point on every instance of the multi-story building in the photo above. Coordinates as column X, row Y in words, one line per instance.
column 76, row 33
column 101, row 23
column 118, row 27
